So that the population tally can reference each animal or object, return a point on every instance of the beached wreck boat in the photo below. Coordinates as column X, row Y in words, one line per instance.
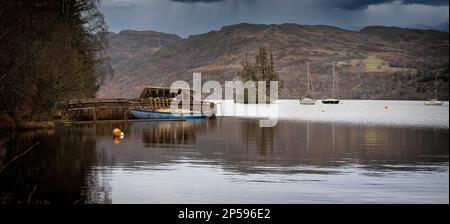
column 207, row 108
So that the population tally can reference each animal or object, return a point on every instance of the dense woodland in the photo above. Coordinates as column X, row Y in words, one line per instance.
column 51, row 50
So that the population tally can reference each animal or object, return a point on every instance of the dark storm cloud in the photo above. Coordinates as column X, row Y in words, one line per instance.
column 192, row 1
column 364, row 4
column 348, row 4
column 353, row 4
column 427, row 2
column 187, row 17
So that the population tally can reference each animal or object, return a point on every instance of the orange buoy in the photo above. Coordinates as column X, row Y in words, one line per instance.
column 116, row 132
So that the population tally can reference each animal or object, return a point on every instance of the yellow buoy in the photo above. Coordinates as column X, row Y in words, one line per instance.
column 116, row 132
column 116, row 140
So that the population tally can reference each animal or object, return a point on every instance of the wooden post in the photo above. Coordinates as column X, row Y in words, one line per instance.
column 95, row 114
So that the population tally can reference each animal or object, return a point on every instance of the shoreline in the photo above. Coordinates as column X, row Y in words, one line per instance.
column 348, row 112
column 28, row 126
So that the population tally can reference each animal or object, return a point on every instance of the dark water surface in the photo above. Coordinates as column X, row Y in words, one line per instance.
column 227, row 160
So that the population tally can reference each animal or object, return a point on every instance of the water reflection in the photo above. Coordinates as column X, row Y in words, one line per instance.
column 167, row 134
column 57, row 167
column 83, row 164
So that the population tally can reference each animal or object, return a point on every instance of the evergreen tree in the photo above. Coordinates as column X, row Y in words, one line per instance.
column 262, row 70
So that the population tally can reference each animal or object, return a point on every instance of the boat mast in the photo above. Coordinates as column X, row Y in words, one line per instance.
column 436, row 90
column 333, row 80
column 307, row 75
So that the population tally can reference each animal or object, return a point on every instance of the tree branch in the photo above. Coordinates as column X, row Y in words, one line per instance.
column 31, row 194
column 17, row 157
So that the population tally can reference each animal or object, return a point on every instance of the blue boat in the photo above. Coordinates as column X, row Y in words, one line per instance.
column 142, row 114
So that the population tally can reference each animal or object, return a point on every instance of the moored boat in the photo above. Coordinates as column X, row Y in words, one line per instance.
column 434, row 102
column 330, row 101
column 307, row 100
column 143, row 114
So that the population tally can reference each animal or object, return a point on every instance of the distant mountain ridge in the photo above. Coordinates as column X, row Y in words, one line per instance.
column 407, row 59
column 443, row 27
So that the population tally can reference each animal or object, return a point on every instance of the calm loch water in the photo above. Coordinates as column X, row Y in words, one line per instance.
column 227, row 160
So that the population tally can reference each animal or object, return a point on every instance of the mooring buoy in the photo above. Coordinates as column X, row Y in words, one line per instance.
column 116, row 132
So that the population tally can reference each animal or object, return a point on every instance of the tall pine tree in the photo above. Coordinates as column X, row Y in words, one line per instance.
column 262, row 70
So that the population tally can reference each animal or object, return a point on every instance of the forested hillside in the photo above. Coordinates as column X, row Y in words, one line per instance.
column 374, row 63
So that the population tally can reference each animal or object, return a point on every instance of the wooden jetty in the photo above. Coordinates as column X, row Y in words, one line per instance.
column 109, row 109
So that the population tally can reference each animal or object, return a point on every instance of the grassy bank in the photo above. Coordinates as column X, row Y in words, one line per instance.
column 7, row 123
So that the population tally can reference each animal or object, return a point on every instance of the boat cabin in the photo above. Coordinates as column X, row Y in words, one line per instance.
column 163, row 93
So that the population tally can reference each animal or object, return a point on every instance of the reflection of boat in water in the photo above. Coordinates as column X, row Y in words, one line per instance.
column 143, row 114
column 168, row 134
column 434, row 102
column 145, row 124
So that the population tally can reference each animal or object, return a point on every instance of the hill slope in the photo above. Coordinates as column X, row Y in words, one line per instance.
column 407, row 59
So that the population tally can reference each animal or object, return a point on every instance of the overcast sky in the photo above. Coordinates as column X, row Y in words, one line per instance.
column 186, row 17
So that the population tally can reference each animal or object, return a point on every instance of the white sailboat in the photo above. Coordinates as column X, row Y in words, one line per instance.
column 307, row 100
column 332, row 100
column 435, row 101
